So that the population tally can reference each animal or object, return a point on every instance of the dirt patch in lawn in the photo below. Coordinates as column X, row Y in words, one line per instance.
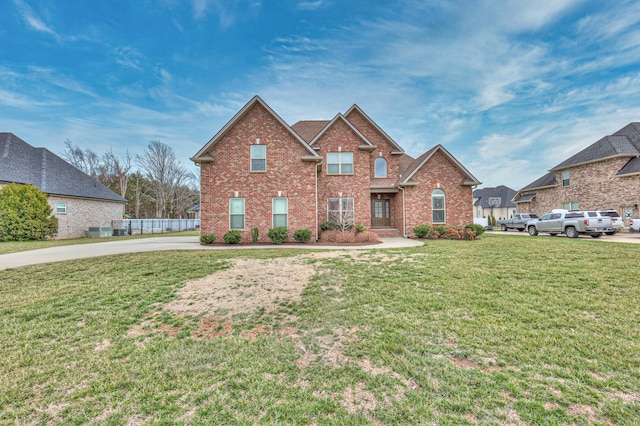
column 250, row 285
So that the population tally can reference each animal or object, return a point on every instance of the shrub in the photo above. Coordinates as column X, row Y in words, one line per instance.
column 278, row 235
column 302, row 235
column 367, row 237
column 25, row 214
column 442, row 230
column 232, row 237
column 421, row 231
column 329, row 236
column 479, row 229
column 329, row 225
column 207, row 239
column 360, row 228
column 433, row 234
column 255, row 233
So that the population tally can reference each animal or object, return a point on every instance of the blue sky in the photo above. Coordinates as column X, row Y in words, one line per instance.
column 510, row 88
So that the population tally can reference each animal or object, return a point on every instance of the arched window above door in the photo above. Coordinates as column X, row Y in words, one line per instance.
column 380, row 167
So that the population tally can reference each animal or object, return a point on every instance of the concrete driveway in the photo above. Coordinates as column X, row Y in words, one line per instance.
column 119, row 246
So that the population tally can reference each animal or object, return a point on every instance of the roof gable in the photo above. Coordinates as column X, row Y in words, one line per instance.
column 25, row 164
column 202, row 154
column 418, row 163
column 339, row 118
column 355, row 108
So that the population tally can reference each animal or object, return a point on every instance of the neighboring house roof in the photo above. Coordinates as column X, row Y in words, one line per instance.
column 505, row 194
column 623, row 143
column 25, row 164
column 525, row 198
column 203, row 155
column 545, row 181
column 417, row 164
column 195, row 208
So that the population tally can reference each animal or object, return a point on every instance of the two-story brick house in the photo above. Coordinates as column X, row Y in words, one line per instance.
column 604, row 175
column 259, row 172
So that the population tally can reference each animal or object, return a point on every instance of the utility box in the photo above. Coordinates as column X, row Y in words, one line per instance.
column 99, row 231
column 118, row 232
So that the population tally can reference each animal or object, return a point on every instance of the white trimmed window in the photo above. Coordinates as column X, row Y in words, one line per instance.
column 574, row 205
column 340, row 163
column 380, row 168
column 566, row 178
column 280, row 210
column 258, row 158
column 61, row 207
column 340, row 210
column 438, row 206
column 236, row 213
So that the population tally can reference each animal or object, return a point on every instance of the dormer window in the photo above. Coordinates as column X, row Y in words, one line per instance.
column 340, row 163
column 258, row 158
column 380, row 168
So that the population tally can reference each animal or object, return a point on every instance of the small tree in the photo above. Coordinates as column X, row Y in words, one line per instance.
column 25, row 214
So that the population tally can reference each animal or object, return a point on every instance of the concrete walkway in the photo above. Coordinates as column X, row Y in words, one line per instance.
column 83, row 251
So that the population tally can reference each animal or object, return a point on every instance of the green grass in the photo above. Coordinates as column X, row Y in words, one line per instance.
column 504, row 330
column 16, row 246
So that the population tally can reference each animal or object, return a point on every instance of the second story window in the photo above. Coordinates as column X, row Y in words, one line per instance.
column 258, row 158
column 380, row 168
column 565, row 178
column 340, row 163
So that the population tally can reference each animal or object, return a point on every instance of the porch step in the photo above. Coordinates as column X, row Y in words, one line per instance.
column 386, row 232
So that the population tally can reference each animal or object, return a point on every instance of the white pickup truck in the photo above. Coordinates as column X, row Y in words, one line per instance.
column 634, row 225
column 571, row 223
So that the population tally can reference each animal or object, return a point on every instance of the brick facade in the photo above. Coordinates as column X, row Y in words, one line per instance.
column 297, row 169
column 82, row 213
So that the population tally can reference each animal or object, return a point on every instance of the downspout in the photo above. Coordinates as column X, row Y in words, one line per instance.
column 404, row 213
column 317, row 172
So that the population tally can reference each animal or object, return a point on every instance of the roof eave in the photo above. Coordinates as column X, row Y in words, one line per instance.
column 597, row 160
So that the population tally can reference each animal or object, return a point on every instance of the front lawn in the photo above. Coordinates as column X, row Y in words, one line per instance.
column 504, row 330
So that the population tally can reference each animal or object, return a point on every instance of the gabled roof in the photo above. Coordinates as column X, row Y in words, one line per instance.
column 631, row 168
column 525, row 198
column 355, row 107
column 309, row 129
column 202, row 155
column 25, row 164
column 623, row 143
column 505, row 194
column 339, row 117
column 417, row 164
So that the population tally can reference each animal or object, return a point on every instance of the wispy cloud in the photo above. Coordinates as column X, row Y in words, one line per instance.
column 33, row 21
column 227, row 12
column 312, row 5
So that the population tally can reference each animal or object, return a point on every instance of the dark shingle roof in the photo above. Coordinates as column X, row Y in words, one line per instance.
column 547, row 180
column 632, row 167
column 525, row 198
column 623, row 143
column 505, row 193
column 23, row 163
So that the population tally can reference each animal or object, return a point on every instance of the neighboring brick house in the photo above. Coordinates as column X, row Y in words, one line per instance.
column 77, row 200
column 605, row 175
column 259, row 172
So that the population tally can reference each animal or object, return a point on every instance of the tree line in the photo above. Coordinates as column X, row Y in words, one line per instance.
column 155, row 183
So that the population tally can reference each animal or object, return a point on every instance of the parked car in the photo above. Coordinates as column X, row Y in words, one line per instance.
column 571, row 223
column 616, row 220
column 634, row 225
column 519, row 221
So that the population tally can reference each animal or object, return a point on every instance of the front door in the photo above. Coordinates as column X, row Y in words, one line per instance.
column 380, row 213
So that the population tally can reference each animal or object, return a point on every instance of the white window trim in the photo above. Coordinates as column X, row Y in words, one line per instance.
column 273, row 209
column 444, row 206
column 64, row 205
column 251, row 158
column 341, row 163
column 341, row 211
column 243, row 214
column 375, row 170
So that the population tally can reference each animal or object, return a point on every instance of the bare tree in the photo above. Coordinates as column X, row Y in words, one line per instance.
column 118, row 168
column 85, row 160
column 165, row 175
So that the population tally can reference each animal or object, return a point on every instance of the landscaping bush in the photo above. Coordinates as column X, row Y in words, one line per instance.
column 329, row 225
column 367, row 237
column 278, row 235
column 255, row 233
column 207, row 239
column 360, row 228
column 421, row 231
column 302, row 235
column 477, row 228
column 25, row 214
column 232, row 237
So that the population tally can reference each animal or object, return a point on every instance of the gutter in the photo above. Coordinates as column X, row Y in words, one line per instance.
column 404, row 213
column 317, row 172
